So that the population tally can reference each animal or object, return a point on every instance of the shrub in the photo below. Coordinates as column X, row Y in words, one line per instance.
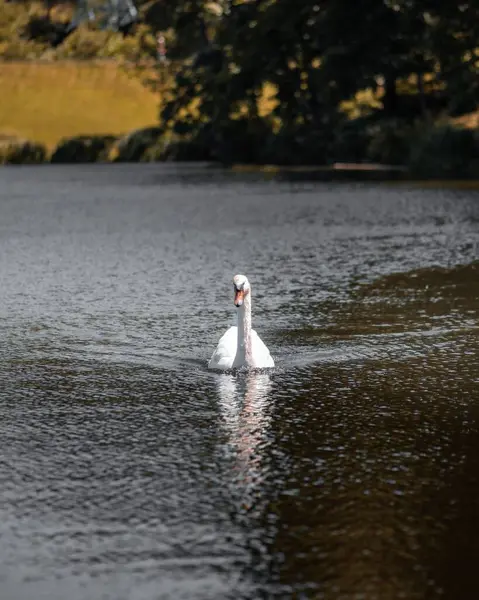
column 83, row 149
column 135, row 48
column 444, row 151
column 16, row 48
column 186, row 150
column 16, row 152
column 351, row 141
column 43, row 30
column 154, row 153
column 277, row 148
column 389, row 142
column 133, row 147
column 236, row 140
column 87, row 43
column 296, row 146
column 14, row 20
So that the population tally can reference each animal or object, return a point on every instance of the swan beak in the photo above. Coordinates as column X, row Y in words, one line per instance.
column 239, row 297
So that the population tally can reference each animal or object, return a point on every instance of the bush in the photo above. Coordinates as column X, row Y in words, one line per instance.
column 43, row 30
column 135, row 48
column 186, row 150
column 154, row 153
column 16, row 152
column 351, row 141
column 133, row 147
column 14, row 18
column 17, row 49
column 278, row 148
column 83, row 149
column 87, row 43
column 236, row 140
column 389, row 142
column 444, row 151
column 296, row 146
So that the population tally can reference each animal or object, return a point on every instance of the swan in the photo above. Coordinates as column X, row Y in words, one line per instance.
column 241, row 346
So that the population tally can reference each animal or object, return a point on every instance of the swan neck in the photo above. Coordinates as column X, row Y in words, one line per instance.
column 244, row 329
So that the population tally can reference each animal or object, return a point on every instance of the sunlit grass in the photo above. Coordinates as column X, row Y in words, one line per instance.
column 45, row 102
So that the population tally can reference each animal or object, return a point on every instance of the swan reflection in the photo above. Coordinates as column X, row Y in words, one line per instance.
column 245, row 404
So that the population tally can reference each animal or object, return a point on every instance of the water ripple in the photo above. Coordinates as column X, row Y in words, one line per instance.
column 131, row 472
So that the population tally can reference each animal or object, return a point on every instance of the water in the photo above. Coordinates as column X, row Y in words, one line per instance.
column 131, row 472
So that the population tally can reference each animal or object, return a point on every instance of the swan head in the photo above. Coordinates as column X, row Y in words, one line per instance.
column 241, row 288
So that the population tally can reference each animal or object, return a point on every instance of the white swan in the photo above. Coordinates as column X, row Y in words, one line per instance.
column 241, row 346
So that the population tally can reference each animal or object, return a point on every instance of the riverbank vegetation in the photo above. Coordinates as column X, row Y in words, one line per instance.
column 266, row 82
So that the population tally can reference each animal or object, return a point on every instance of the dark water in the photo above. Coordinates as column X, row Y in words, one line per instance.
column 130, row 472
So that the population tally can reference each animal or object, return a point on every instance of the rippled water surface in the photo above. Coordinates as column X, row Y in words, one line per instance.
column 130, row 472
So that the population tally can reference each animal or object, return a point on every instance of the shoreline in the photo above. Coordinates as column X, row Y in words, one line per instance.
column 344, row 173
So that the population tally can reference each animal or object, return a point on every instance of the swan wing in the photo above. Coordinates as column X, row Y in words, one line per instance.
column 225, row 352
column 261, row 357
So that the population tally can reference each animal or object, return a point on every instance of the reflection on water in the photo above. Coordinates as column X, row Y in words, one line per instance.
column 245, row 405
column 131, row 472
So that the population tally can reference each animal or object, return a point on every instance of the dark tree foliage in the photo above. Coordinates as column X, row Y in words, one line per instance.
column 319, row 53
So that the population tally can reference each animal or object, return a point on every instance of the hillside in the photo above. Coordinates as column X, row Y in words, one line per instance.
column 45, row 102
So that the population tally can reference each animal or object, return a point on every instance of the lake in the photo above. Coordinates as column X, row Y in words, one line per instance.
column 131, row 472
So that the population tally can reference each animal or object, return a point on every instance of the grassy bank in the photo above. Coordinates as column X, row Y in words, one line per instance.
column 46, row 102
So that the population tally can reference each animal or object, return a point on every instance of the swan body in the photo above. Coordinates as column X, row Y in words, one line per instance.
column 229, row 356
column 241, row 346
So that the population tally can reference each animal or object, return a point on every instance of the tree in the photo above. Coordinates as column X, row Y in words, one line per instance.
column 315, row 55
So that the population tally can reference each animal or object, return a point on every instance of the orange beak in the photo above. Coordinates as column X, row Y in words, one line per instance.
column 239, row 297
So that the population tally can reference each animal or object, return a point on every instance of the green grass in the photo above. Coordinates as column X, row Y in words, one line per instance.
column 45, row 102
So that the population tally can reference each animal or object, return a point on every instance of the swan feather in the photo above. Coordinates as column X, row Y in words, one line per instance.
column 226, row 355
